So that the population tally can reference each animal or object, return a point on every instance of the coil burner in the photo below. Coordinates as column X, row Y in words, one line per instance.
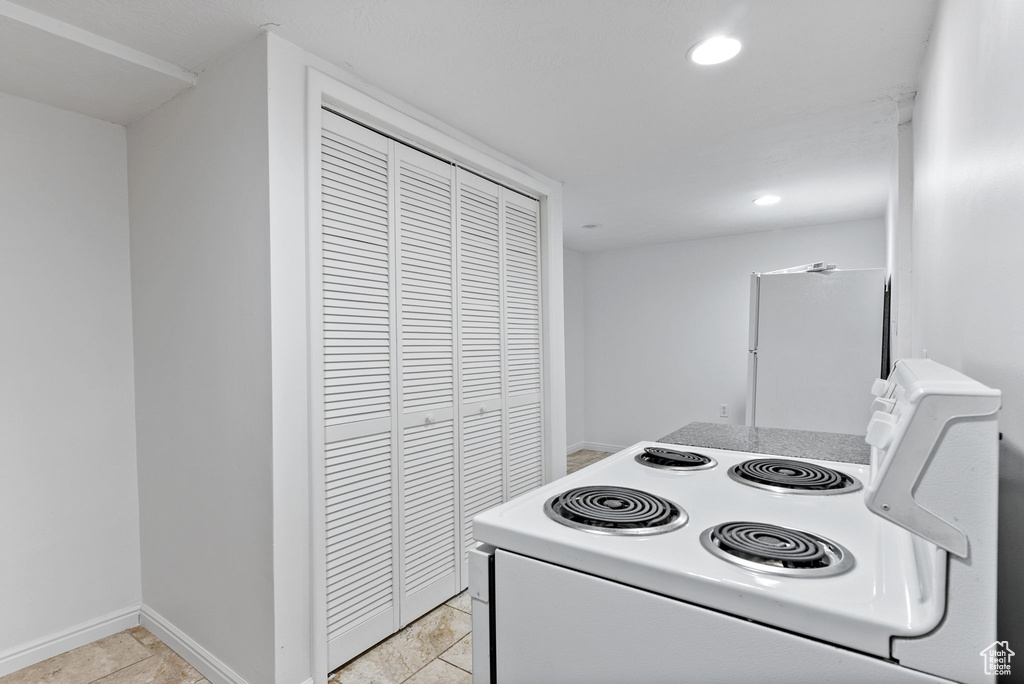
column 615, row 510
column 672, row 459
column 776, row 550
column 787, row 476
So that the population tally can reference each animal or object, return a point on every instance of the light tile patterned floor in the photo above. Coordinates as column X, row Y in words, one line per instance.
column 133, row 656
column 582, row 458
column 436, row 649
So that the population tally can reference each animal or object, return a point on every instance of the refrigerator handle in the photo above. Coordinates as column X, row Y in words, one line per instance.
column 755, row 295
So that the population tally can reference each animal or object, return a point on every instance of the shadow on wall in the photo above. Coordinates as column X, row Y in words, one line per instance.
column 1011, row 541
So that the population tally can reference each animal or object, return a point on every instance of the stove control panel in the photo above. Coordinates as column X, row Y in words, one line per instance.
column 914, row 410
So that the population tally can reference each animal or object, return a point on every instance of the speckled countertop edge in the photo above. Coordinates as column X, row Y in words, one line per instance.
column 825, row 446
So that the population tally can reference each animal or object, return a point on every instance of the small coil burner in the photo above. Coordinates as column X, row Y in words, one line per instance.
column 776, row 550
column 671, row 459
column 615, row 510
column 786, row 476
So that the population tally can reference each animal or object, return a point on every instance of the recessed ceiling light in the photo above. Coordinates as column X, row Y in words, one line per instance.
column 765, row 200
column 590, row 226
column 715, row 50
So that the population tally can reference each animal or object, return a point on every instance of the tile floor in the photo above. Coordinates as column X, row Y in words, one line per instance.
column 583, row 458
column 436, row 649
column 133, row 656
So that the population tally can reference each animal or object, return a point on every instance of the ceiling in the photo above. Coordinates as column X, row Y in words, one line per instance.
column 595, row 93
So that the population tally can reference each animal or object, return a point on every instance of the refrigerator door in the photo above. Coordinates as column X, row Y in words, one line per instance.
column 819, row 348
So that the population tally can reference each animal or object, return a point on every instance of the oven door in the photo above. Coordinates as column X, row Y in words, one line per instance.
column 546, row 623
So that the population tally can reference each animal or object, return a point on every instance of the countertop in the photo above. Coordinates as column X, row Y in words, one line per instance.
column 826, row 446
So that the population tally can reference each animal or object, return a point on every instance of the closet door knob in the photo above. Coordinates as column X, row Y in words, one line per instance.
column 429, row 419
column 483, row 409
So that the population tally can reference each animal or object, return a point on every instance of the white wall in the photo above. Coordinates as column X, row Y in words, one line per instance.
column 198, row 187
column 665, row 326
column 575, row 380
column 68, row 495
column 969, row 238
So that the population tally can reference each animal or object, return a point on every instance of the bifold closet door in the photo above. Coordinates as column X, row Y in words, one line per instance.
column 523, row 341
column 481, row 327
column 431, row 373
column 426, row 328
column 360, row 403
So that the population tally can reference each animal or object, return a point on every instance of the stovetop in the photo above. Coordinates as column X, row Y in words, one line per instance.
column 884, row 587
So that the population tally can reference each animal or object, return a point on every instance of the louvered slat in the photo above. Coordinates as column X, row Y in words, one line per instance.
column 356, row 273
column 428, row 504
column 522, row 296
column 359, row 565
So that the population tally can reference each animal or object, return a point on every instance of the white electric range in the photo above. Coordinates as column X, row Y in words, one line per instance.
column 668, row 563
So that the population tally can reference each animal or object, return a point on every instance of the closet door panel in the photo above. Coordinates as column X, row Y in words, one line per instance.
column 358, row 383
column 481, row 337
column 523, row 316
column 483, row 469
column 480, row 288
column 429, row 545
column 359, row 531
column 522, row 300
column 428, row 372
column 427, row 290
column 356, row 276
column 525, row 467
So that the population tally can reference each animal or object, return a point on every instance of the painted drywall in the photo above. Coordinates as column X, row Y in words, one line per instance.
column 198, row 189
column 665, row 327
column 968, row 238
column 575, row 379
column 68, row 494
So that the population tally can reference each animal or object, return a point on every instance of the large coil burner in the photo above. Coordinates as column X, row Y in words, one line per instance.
column 615, row 510
column 674, row 459
column 788, row 476
column 776, row 550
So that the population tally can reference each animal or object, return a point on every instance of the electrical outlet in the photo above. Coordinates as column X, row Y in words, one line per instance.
column 723, row 411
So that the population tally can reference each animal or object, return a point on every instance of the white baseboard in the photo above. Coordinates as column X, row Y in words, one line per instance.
column 573, row 448
column 198, row 657
column 596, row 446
column 39, row 650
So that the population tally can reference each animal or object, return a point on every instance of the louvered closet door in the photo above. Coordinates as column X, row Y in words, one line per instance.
column 481, row 345
column 427, row 360
column 523, row 332
column 358, row 385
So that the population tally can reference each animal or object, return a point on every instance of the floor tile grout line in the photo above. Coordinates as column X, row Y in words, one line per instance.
column 113, row 672
column 440, row 657
column 135, row 637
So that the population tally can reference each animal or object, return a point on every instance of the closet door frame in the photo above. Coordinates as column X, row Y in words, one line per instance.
column 417, row 129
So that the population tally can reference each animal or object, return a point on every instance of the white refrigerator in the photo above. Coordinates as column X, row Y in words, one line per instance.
column 815, row 347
